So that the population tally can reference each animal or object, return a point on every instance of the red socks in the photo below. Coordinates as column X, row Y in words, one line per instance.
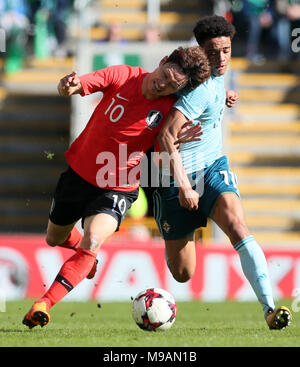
column 73, row 240
column 73, row 271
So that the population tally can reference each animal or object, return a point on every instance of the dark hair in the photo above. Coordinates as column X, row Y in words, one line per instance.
column 211, row 27
column 194, row 63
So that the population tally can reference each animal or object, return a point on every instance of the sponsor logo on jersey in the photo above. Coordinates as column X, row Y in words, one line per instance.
column 119, row 96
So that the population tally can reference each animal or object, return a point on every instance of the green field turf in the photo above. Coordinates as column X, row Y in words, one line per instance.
column 198, row 324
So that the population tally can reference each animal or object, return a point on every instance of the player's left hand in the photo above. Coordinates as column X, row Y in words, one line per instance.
column 231, row 98
column 188, row 198
column 188, row 133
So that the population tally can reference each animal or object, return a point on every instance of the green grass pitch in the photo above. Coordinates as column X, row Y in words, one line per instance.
column 198, row 324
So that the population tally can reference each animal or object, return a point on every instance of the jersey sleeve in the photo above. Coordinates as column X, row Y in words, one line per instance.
column 100, row 80
column 194, row 103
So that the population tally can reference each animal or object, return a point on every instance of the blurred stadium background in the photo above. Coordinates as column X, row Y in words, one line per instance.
column 45, row 40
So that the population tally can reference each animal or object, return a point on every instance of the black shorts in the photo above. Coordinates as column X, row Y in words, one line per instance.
column 74, row 199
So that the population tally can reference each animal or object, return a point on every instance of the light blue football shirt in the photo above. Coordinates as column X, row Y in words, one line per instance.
column 205, row 104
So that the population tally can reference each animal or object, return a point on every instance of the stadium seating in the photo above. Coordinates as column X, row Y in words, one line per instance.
column 263, row 141
column 176, row 19
column 34, row 126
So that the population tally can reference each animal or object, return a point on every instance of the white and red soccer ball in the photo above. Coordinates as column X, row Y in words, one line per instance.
column 154, row 309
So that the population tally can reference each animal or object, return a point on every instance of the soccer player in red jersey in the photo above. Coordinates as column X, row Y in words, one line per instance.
column 102, row 180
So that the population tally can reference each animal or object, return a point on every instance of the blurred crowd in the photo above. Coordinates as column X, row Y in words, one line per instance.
column 264, row 26
column 37, row 26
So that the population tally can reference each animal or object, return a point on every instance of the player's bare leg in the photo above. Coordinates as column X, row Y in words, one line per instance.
column 104, row 223
column 181, row 258
column 56, row 234
column 229, row 216
column 97, row 229
column 67, row 237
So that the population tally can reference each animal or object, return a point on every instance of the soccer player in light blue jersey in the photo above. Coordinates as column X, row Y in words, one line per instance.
column 204, row 185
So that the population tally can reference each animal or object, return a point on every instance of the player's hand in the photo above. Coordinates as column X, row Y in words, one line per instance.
column 69, row 85
column 293, row 12
column 188, row 198
column 231, row 98
column 188, row 133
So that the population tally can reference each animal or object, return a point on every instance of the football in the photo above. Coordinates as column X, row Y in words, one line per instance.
column 154, row 309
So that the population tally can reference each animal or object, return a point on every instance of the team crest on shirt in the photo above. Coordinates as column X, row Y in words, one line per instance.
column 166, row 226
column 153, row 119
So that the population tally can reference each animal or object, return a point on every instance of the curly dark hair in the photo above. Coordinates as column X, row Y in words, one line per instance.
column 194, row 63
column 211, row 27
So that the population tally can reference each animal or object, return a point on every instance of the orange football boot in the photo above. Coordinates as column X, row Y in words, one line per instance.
column 37, row 315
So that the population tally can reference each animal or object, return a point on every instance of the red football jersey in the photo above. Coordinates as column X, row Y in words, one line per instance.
column 122, row 128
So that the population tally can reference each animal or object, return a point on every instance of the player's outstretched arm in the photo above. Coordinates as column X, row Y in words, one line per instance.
column 188, row 198
column 69, row 85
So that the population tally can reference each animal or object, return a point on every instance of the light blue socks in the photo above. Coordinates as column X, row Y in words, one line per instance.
column 255, row 268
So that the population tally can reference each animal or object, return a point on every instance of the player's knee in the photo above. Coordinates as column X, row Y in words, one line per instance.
column 91, row 241
column 182, row 275
column 51, row 241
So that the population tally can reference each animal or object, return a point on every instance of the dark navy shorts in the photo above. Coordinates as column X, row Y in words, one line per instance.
column 176, row 222
column 74, row 199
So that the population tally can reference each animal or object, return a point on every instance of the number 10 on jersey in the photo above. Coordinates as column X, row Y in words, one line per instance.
column 115, row 111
